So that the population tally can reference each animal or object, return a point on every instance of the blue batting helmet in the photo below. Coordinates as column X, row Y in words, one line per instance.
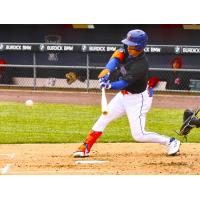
column 137, row 38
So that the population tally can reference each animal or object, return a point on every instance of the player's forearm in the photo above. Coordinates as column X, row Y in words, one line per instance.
column 109, row 68
column 118, row 85
column 112, row 64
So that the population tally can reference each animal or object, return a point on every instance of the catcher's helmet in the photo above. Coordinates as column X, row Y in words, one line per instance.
column 187, row 113
column 137, row 38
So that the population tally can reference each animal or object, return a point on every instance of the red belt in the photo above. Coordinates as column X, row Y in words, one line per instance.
column 124, row 92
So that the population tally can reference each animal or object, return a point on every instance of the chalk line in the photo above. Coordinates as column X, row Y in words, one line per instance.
column 91, row 161
column 10, row 155
column 5, row 169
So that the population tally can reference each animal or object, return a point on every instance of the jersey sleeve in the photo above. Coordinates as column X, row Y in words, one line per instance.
column 118, row 85
column 152, row 82
column 116, row 58
column 112, row 64
column 119, row 54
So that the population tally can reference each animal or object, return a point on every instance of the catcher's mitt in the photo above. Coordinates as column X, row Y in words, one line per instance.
column 73, row 76
column 190, row 121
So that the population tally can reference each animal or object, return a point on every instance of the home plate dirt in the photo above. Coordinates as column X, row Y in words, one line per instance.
column 91, row 161
column 110, row 158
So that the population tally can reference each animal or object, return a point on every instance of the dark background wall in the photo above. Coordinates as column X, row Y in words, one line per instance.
column 101, row 34
column 158, row 34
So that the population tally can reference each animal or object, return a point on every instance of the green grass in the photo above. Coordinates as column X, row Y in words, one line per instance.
column 60, row 123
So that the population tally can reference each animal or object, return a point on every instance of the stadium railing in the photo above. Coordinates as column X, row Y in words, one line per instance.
column 46, row 76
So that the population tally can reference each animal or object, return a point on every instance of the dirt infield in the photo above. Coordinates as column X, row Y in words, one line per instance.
column 131, row 158
column 124, row 159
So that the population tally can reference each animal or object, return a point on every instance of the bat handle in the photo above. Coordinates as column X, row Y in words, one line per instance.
column 104, row 102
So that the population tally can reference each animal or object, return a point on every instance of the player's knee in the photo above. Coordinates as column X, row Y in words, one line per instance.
column 139, row 137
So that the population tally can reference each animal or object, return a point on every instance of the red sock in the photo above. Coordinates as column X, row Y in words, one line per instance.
column 90, row 140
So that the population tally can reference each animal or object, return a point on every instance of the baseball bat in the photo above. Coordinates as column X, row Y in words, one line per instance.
column 104, row 105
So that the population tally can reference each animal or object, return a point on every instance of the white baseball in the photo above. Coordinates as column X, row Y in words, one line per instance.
column 29, row 102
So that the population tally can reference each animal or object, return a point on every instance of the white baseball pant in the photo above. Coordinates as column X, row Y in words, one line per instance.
column 136, row 107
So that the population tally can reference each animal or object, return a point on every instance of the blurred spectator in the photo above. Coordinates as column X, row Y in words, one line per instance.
column 6, row 73
column 177, row 80
column 2, row 70
column 177, row 63
column 152, row 82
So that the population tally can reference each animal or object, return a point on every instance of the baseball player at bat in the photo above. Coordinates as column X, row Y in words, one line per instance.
column 134, row 97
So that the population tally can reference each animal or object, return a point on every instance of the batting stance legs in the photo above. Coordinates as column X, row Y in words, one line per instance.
column 116, row 110
column 137, row 118
column 135, row 106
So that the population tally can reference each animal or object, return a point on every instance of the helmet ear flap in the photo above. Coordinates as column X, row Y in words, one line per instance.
column 125, row 46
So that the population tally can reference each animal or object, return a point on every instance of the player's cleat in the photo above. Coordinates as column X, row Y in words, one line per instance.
column 82, row 151
column 173, row 146
column 80, row 154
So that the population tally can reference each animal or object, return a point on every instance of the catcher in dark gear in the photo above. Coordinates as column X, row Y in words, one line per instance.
column 190, row 121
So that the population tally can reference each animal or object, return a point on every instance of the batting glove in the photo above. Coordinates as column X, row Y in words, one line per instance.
column 105, row 78
column 106, row 85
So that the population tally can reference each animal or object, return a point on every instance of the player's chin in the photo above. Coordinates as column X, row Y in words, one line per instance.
column 134, row 53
